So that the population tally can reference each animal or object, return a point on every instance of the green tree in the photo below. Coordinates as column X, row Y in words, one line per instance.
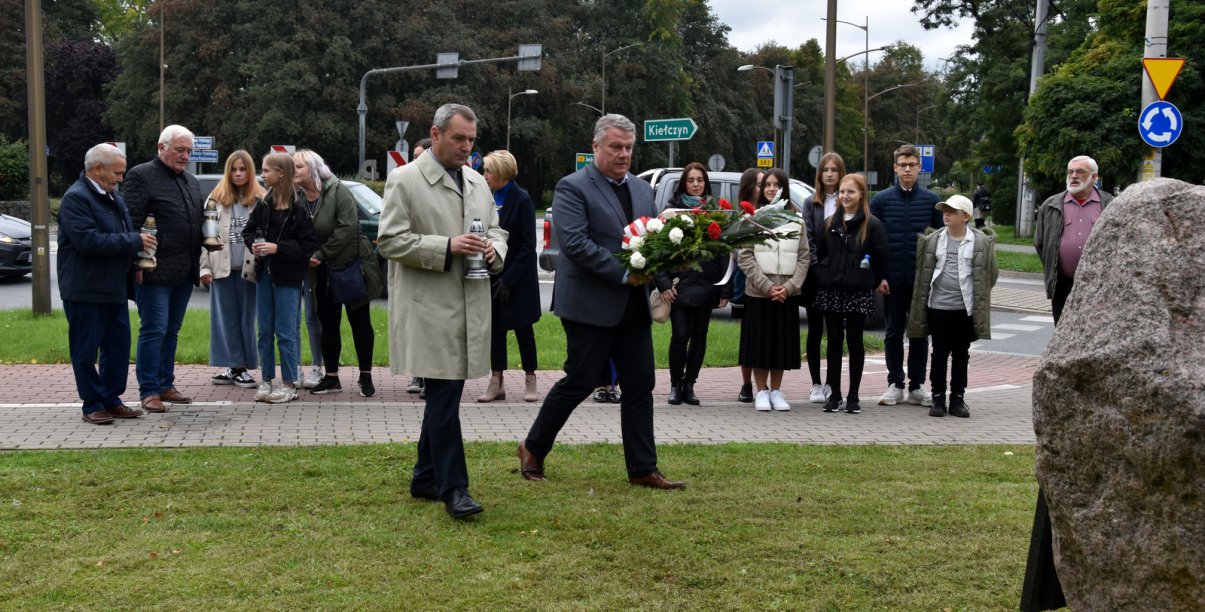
column 1090, row 104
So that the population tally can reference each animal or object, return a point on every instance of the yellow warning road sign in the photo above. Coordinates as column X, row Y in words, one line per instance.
column 1163, row 72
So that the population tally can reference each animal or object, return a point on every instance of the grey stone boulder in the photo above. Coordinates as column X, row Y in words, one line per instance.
column 1119, row 408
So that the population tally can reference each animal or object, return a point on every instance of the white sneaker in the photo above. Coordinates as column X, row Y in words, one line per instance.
column 892, row 396
column 778, row 401
column 315, row 376
column 919, row 397
column 282, row 394
column 265, row 389
column 819, row 394
column 761, row 401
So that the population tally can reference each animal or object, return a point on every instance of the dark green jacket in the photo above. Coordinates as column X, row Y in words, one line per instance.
column 337, row 226
column 983, row 277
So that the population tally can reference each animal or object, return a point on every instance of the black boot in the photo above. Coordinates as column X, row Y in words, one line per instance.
column 688, row 394
column 958, row 407
column 939, row 405
column 675, row 396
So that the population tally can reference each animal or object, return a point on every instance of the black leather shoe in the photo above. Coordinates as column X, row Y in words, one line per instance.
column 958, row 407
column 674, row 398
column 938, row 409
column 688, row 394
column 427, row 492
column 746, row 394
column 460, row 505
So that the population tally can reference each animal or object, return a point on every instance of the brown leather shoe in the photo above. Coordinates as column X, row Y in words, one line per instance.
column 152, row 403
column 173, row 396
column 100, row 417
column 656, row 480
column 122, row 411
column 530, row 466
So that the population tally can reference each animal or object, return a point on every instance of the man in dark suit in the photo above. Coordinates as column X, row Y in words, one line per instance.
column 603, row 308
column 97, row 242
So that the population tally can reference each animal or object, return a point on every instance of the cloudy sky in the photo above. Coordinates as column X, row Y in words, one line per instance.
column 792, row 22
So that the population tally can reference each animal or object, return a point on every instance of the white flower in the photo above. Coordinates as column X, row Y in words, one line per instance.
column 688, row 220
column 637, row 261
column 676, row 235
column 634, row 242
column 654, row 225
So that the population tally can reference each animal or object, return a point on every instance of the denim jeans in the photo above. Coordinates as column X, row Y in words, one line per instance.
column 161, row 309
column 896, row 305
column 278, row 309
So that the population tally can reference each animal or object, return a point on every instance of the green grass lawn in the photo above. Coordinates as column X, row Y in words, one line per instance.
column 1006, row 234
column 35, row 339
column 1018, row 262
column 760, row 526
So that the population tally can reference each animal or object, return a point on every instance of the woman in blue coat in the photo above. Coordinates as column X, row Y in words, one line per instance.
column 516, row 290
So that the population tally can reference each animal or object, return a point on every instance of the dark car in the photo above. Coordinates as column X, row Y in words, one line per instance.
column 15, row 240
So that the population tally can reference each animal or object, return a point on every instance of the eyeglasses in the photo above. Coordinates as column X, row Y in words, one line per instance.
column 907, row 166
column 1079, row 172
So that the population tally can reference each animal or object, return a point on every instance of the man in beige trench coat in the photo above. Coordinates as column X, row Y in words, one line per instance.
column 439, row 321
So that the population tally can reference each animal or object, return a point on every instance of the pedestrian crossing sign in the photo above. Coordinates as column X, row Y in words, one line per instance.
column 765, row 149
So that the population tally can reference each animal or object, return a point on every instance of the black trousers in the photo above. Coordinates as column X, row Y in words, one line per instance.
column 953, row 332
column 440, row 444
column 1062, row 289
column 330, row 315
column 897, row 304
column 687, row 342
column 845, row 327
column 1041, row 589
column 630, row 345
column 816, row 323
column 103, row 328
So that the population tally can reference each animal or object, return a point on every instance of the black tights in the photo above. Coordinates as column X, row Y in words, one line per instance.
column 816, row 322
column 845, row 327
column 330, row 315
column 687, row 343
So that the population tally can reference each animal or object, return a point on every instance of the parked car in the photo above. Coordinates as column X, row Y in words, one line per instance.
column 664, row 181
column 15, row 239
column 368, row 209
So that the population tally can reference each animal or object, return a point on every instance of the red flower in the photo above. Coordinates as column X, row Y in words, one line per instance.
column 713, row 230
column 748, row 208
column 725, row 204
column 697, row 210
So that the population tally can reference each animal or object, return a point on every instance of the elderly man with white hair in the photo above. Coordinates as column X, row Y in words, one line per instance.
column 1064, row 222
column 97, row 242
column 163, row 189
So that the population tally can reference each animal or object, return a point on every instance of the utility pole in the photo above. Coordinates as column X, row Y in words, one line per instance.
column 1025, row 189
column 830, row 77
column 39, row 196
column 1156, row 46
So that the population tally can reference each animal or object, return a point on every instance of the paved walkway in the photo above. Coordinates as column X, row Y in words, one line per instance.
column 39, row 409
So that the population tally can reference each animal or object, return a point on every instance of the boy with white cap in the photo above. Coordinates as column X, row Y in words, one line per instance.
column 955, row 273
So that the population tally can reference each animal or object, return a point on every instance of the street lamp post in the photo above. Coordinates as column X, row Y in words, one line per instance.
column 866, row 117
column 918, row 112
column 593, row 108
column 603, row 104
column 865, row 94
column 529, row 92
column 784, row 109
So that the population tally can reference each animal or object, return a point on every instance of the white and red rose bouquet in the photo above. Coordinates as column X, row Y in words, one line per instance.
column 683, row 238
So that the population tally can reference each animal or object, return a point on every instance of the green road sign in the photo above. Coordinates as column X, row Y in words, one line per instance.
column 582, row 160
column 658, row 130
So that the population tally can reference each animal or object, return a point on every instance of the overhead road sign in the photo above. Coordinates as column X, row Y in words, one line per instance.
column 1162, row 71
column 661, row 130
column 1160, row 124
